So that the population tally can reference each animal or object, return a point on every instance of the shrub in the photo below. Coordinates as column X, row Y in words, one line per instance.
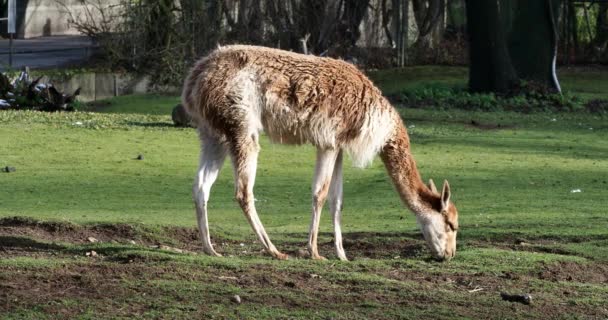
column 442, row 97
column 25, row 93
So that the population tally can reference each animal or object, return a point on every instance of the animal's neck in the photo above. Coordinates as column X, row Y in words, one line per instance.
column 401, row 167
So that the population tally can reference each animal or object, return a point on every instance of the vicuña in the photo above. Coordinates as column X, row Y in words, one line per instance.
column 238, row 91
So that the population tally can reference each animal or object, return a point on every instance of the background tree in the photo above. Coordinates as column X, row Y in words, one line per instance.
column 601, row 29
column 532, row 41
column 512, row 40
column 490, row 66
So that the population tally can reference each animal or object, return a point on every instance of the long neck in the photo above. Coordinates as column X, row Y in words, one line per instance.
column 401, row 167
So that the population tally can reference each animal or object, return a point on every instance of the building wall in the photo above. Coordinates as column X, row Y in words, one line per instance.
column 51, row 17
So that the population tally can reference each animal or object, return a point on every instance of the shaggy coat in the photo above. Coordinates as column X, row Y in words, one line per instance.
column 238, row 91
column 294, row 98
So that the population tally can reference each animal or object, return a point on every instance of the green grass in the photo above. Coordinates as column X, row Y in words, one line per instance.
column 522, row 229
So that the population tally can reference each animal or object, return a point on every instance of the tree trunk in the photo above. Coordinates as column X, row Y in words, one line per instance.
column 212, row 27
column 533, row 41
column 429, row 14
column 160, row 22
column 490, row 67
column 401, row 25
column 354, row 12
column 572, row 26
column 601, row 27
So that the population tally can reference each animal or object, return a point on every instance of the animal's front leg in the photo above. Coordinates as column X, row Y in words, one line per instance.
column 326, row 158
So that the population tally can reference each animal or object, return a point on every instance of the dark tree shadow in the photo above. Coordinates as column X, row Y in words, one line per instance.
column 151, row 124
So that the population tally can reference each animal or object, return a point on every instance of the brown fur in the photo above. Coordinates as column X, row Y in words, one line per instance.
column 311, row 85
column 402, row 169
column 237, row 91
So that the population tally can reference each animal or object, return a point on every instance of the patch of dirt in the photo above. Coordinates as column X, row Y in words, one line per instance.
column 597, row 106
column 377, row 246
column 489, row 126
column 64, row 231
column 18, row 233
column 70, row 233
column 129, row 284
column 577, row 272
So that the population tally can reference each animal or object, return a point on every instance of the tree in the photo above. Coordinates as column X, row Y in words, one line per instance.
column 400, row 13
column 512, row 40
column 601, row 28
column 428, row 15
column 490, row 68
column 532, row 41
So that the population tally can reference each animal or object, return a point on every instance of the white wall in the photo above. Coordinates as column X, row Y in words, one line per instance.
column 49, row 17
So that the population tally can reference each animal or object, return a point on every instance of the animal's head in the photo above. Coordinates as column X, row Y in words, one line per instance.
column 439, row 223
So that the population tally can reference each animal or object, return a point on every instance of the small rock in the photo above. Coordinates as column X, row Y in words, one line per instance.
column 314, row 276
column 8, row 169
column 91, row 253
column 180, row 117
column 303, row 253
column 132, row 242
column 521, row 298
column 92, row 240
column 140, row 157
column 236, row 299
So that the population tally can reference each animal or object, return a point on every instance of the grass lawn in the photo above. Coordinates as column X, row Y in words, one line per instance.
column 523, row 229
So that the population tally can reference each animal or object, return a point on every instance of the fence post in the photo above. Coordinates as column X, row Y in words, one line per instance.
column 12, row 16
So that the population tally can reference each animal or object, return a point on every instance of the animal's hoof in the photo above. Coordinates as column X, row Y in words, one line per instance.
column 343, row 258
column 318, row 257
column 281, row 256
column 212, row 253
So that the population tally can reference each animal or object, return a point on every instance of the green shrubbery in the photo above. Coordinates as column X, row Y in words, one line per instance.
column 441, row 96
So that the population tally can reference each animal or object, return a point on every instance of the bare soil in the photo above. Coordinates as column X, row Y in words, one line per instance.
column 131, row 285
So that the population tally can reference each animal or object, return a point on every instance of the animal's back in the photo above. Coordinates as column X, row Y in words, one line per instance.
column 294, row 98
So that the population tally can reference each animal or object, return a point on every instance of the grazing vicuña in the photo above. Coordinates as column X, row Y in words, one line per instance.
column 238, row 91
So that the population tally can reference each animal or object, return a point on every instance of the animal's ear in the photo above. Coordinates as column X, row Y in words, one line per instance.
column 445, row 195
column 432, row 186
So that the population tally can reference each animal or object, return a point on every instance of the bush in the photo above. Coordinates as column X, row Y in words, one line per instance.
column 437, row 96
column 26, row 94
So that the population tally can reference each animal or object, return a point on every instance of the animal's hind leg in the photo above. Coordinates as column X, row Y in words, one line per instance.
column 244, row 155
column 213, row 154
column 335, row 206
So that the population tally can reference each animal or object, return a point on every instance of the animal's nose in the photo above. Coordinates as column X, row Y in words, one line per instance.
column 441, row 258
column 450, row 254
column 447, row 255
